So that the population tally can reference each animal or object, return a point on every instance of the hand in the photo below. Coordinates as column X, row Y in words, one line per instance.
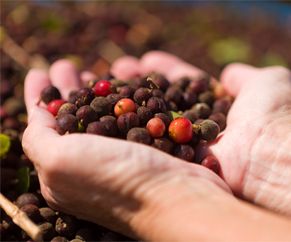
column 122, row 185
column 254, row 150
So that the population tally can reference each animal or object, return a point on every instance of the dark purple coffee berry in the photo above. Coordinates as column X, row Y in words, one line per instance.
column 165, row 117
column 111, row 236
column 206, row 97
column 73, row 96
column 157, row 93
column 202, row 110
column 195, row 138
column 86, row 115
column 184, row 152
column 84, row 234
column 141, row 95
column 27, row 198
column 190, row 98
column 209, row 130
column 110, row 124
column 96, row 128
column 172, row 106
column 84, row 96
column 13, row 106
column 67, row 123
column 144, row 114
column 76, row 240
column 200, row 84
column 67, row 108
column 220, row 119
column 11, row 123
column 140, row 82
column 66, row 226
column 32, row 212
column 174, row 94
column 48, row 214
column 163, row 144
column 191, row 115
column 156, row 105
column 101, row 106
column 48, row 231
column 160, row 81
column 221, row 106
column 139, row 135
column 126, row 91
column 59, row 239
column 113, row 98
column 127, row 121
column 118, row 83
column 49, row 94
column 183, row 83
column 199, row 121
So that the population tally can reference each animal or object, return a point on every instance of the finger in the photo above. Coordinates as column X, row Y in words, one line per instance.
column 39, row 138
column 126, row 68
column 35, row 81
column 168, row 65
column 235, row 76
column 65, row 77
column 87, row 76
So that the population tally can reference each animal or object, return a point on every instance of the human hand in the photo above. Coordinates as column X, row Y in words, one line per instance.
column 119, row 184
column 253, row 150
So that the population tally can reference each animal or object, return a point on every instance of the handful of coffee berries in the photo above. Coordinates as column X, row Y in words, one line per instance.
column 172, row 117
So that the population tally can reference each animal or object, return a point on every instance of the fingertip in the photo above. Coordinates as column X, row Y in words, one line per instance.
column 64, row 75
column 168, row 65
column 87, row 76
column 184, row 70
column 235, row 76
column 158, row 61
column 125, row 67
column 35, row 81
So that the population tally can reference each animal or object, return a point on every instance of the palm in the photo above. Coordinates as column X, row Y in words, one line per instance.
column 251, row 151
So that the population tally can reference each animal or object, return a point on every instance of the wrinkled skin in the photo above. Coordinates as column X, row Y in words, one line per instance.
column 121, row 184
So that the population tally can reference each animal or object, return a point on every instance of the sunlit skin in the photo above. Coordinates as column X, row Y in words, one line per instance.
column 129, row 187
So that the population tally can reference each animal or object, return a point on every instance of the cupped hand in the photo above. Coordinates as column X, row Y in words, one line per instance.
column 118, row 184
column 254, row 150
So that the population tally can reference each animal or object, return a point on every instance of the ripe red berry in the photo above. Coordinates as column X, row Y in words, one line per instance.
column 124, row 105
column 54, row 106
column 180, row 130
column 211, row 163
column 102, row 88
column 156, row 127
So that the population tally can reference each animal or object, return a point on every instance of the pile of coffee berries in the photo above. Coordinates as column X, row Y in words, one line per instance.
column 172, row 117
column 55, row 226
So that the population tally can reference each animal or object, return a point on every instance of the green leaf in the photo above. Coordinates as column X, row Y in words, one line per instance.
column 175, row 115
column 4, row 144
column 23, row 179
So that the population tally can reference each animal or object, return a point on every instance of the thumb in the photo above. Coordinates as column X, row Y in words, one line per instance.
column 235, row 76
